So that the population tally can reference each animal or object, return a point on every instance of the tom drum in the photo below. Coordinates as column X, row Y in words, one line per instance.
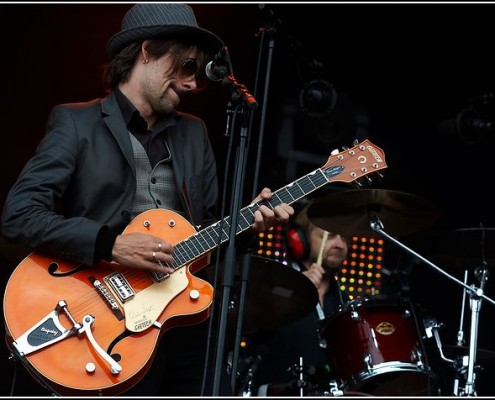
column 374, row 347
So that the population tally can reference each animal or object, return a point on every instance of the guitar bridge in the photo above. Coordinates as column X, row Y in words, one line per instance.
column 46, row 332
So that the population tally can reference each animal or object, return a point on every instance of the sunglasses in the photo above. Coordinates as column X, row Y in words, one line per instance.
column 189, row 67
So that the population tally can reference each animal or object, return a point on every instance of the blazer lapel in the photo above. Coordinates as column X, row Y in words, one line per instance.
column 115, row 123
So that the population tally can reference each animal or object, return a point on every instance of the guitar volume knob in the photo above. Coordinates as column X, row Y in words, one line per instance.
column 194, row 294
column 90, row 368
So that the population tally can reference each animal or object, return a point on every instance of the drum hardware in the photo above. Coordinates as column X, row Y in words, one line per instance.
column 431, row 329
column 460, row 332
column 475, row 303
column 417, row 356
column 367, row 362
column 459, row 361
column 334, row 389
column 483, row 356
column 355, row 316
column 301, row 382
column 301, row 372
column 248, row 367
column 246, row 389
column 475, row 293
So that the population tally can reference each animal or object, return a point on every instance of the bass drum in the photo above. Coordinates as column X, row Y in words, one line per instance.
column 374, row 347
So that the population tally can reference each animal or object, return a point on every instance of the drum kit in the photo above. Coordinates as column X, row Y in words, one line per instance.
column 380, row 345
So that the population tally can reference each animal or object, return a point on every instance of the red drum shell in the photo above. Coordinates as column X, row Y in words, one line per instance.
column 373, row 347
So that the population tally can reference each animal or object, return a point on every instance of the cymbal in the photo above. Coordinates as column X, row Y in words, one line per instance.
column 464, row 248
column 483, row 356
column 276, row 295
column 349, row 212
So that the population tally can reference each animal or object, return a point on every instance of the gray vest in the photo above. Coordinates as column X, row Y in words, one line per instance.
column 155, row 188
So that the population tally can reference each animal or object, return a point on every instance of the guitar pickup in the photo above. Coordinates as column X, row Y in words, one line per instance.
column 159, row 276
column 120, row 286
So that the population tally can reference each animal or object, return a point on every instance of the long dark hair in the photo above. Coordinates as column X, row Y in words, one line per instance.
column 120, row 66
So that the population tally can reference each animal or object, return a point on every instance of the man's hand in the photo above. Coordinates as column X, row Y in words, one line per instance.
column 142, row 251
column 315, row 274
column 265, row 218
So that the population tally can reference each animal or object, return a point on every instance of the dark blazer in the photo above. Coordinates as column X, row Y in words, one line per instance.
column 82, row 177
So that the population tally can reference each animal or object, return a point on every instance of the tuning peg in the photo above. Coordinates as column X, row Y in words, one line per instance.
column 358, row 183
column 368, row 179
column 380, row 176
column 364, row 181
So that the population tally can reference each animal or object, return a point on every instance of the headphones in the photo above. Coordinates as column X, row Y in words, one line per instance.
column 297, row 242
column 296, row 238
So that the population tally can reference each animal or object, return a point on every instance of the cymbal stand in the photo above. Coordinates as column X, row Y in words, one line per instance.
column 476, row 296
column 460, row 333
column 461, row 363
column 298, row 369
column 301, row 382
column 475, row 303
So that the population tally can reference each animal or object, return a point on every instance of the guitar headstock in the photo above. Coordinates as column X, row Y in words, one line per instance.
column 357, row 162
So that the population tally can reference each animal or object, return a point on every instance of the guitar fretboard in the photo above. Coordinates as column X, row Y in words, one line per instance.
column 212, row 236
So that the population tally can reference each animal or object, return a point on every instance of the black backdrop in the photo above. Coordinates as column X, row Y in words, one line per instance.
column 402, row 74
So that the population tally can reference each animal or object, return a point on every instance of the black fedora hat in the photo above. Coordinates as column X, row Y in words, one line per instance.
column 157, row 20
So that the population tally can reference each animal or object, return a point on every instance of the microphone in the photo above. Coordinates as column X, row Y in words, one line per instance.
column 220, row 69
column 217, row 69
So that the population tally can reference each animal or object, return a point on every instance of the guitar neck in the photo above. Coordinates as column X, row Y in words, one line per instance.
column 218, row 233
column 358, row 161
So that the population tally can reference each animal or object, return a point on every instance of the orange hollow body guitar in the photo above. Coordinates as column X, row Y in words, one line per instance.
column 84, row 330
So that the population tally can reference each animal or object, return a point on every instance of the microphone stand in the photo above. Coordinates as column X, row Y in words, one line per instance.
column 247, row 103
column 245, row 263
column 476, row 295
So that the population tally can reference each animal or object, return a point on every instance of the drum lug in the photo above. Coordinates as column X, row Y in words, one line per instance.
column 417, row 356
column 334, row 389
column 367, row 361
column 355, row 316
column 406, row 313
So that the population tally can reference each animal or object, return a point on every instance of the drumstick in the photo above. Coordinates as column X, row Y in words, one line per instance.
column 320, row 257
column 322, row 247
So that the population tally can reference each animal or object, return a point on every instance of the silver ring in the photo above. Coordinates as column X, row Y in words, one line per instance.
column 154, row 256
column 159, row 246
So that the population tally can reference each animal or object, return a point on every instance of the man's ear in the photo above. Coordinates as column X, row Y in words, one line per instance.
column 144, row 51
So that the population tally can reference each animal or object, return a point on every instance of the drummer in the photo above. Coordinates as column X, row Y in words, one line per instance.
column 319, row 256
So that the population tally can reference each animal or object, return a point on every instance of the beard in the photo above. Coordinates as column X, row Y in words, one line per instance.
column 166, row 103
column 162, row 100
column 333, row 262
